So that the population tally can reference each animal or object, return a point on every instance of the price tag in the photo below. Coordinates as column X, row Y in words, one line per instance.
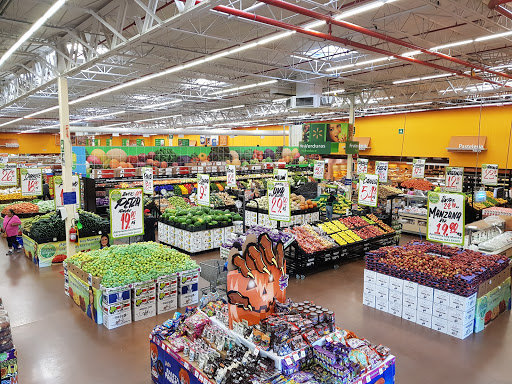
column 302, row 353
column 381, row 371
column 256, row 351
column 368, row 190
column 368, row 378
column 296, row 356
column 362, row 166
column 147, row 177
column 381, row 169
column 196, row 374
column 31, row 182
column 454, row 179
column 489, row 174
column 231, row 175
column 445, row 220
column 8, row 174
column 58, row 190
column 288, row 361
column 203, row 190
column 126, row 212
column 318, row 170
column 278, row 194
column 280, row 174
column 418, row 168
column 329, row 339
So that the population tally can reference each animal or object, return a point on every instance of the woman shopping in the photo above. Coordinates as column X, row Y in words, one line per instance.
column 10, row 230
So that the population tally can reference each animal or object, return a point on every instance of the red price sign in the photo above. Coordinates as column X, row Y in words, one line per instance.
column 231, row 176
column 203, row 190
column 318, row 171
column 368, row 190
column 381, row 169
column 31, row 182
column 418, row 168
column 489, row 174
column 8, row 175
column 279, row 200
column 362, row 166
column 148, row 180
column 126, row 212
column 445, row 220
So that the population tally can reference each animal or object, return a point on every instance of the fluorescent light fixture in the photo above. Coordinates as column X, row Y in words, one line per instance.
column 315, row 24
column 228, row 108
column 101, row 116
column 254, row 6
column 423, row 78
column 161, row 104
column 340, row 67
column 116, row 124
column 411, row 53
column 333, row 92
column 263, row 83
column 301, row 58
column 284, row 99
column 49, row 13
column 380, row 59
column 407, row 80
column 11, row 122
column 240, row 122
column 41, row 112
column 454, row 44
column 497, row 35
column 157, row 118
column 363, row 8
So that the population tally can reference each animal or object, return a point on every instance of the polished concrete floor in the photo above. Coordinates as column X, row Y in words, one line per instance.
column 58, row 344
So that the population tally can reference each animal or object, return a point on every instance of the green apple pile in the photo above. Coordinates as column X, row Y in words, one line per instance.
column 125, row 264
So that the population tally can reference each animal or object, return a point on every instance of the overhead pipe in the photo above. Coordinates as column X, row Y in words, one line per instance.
column 179, row 131
column 353, row 27
column 494, row 3
column 283, row 25
column 497, row 6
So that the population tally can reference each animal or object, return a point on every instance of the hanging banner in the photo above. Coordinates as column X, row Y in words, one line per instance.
column 59, row 190
column 445, row 220
column 280, row 174
column 203, row 190
column 126, row 212
column 278, row 193
column 381, row 170
column 368, row 190
column 489, row 174
column 352, row 147
column 231, row 175
column 318, row 171
column 362, row 166
column 8, row 174
column 31, row 182
column 418, row 168
column 454, row 179
column 147, row 178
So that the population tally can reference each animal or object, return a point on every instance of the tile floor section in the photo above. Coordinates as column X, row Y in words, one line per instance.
column 58, row 344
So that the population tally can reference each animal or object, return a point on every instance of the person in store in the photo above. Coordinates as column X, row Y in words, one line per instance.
column 411, row 191
column 46, row 191
column 104, row 241
column 149, row 226
column 329, row 205
column 10, row 229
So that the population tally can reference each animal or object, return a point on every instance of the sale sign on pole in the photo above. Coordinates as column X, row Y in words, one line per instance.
column 147, row 177
column 445, row 220
column 318, row 171
column 362, row 166
column 8, row 175
column 381, row 170
column 489, row 174
column 231, row 175
column 58, row 190
column 126, row 212
column 31, row 182
column 203, row 190
column 418, row 168
column 454, row 179
column 278, row 193
column 368, row 190
column 280, row 174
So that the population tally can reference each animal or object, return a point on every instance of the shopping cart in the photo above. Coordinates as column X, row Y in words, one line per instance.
column 214, row 272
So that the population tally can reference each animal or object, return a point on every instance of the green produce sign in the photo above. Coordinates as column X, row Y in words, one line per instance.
column 324, row 148
column 183, row 142
column 352, row 147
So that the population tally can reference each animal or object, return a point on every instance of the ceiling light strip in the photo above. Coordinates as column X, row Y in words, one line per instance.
column 243, row 87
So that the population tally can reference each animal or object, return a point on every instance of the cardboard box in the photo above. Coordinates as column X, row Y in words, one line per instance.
column 459, row 331
column 410, row 288
column 491, row 305
column 369, row 300
column 409, row 314
column 188, row 277
column 425, row 293
column 116, row 295
column 395, row 309
column 188, row 288
column 188, row 299
column 424, row 319
column 369, row 289
column 382, row 305
column 493, row 283
column 143, row 308
column 441, row 297
column 143, row 289
column 425, row 306
column 370, row 276
column 117, row 315
column 459, row 317
column 382, row 280
column 382, row 293
column 439, row 325
column 410, row 301
column 440, row 311
column 395, row 297
column 166, row 302
column 396, row 284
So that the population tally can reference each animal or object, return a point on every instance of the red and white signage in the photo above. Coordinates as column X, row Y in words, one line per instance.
column 318, row 171
column 231, row 175
column 8, row 175
column 147, row 178
column 445, row 220
column 368, row 190
column 203, row 190
column 31, row 182
column 489, row 174
column 278, row 193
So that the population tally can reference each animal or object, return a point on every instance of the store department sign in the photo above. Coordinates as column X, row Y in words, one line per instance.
column 8, row 175
column 381, row 170
column 445, row 220
column 368, row 190
column 31, row 182
column 352, row 147
column 362, row 166
column 467, row 144
column 203, row 190
column 418, row 168
column 454, row 179
column 126, row 212
column 324, row 148
column 278, row 193
column 489, row 174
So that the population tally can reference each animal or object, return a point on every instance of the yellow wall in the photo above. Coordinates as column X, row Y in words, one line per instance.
column 31, row 143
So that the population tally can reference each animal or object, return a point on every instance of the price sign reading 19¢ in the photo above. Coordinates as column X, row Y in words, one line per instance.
column 368, row 190
column 231, row 175
column 489, row 174
column 126, row 212
column 445, row 220
column 454, row 178
column 318, row 171
column 278, row 193
column 8, row 175
column 381, row 170
column 203, row 190
column 362, row 166
column 31, row 182
column 147, row 177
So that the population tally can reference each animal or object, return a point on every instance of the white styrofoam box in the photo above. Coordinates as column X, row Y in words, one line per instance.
column 382, row 305
column 370, row 276
column 188, row 299
column 369, row 288
column 396, row 284
column 463, row 303
column 116, row 315
column 382, row 293
column 441, row 297
column 409, row 314
column 382, row 280
column 395, row 309
column 143, row 308
column 424, row 319
column 410, row 288
column 439, row 325
column 171, row 229
column 440, row 311
column 369, row 300
column 395, row 297
column 458, row 317
column 410, row 301
column 188, row 277
column 425, row 306
column 459, row 331
column 425, row 293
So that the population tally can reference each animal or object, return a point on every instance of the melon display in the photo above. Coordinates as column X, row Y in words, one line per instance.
column 117, row 154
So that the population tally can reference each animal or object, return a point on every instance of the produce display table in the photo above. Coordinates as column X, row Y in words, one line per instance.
column 255, row 216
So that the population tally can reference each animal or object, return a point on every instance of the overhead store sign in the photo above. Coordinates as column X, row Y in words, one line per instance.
column 352, row 147
column 454, row 179
column 31, row 182
column 320, row 148
column 362, row 166
column 489, row 174
column 231, row 176
column 445, row 220
column 418, row 168
column 368, row 190
column 364, row 143
column 8, row 175
column 318, row 170
column 381, row 170
column 147, row 178
column 467, row 144
column 278, row 193
column 126, row 212
column 203, row 190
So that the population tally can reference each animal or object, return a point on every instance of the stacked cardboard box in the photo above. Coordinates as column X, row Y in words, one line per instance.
column 143, row 300
column 193, row 241
column 167, row 293
column 188, row 287
column 116, row 306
